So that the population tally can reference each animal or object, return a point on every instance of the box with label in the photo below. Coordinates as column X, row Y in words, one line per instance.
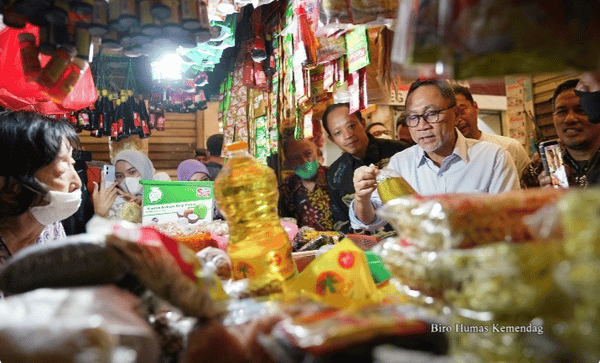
column 184, row 202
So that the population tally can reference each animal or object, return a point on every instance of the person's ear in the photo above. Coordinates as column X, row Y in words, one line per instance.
column 476, row 108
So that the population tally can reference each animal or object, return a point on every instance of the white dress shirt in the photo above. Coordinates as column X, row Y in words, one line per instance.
column 474, row 166
column 514, row 147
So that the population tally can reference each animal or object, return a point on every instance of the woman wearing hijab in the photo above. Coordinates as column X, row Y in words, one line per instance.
column 123, row 199
column 192, row 170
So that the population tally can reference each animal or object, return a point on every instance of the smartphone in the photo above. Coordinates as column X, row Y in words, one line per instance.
column 552, row 158
column 109, row 175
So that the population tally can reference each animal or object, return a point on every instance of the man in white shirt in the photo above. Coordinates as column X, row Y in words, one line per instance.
column 467, row 125
column 443, row 161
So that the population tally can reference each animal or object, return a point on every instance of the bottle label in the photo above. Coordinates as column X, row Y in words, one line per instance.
column 136, row 120
column 120, row 126
column 114, row 130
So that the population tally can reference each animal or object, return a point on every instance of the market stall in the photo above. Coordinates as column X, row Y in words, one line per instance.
column 207, row 270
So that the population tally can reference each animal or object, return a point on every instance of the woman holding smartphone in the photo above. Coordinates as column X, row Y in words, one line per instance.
column 123, row 198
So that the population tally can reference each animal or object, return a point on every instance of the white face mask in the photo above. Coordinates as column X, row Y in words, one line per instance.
column 61, row 206
column 131, row 185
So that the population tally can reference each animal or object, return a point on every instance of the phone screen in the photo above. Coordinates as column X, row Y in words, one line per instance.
column 552, row 158
column 109, row 175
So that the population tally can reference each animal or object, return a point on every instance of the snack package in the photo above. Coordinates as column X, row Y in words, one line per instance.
column 503, row 278
column 75, row 325
column 332, row 335
column 581, row 222
column 164, row 266
column 195, row 236
column 77, row 260
column 217, row 259
column 340, row 277
column 465, row 220
column 169, row 269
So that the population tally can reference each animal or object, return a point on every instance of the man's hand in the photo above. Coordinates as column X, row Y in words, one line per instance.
column 544, row 179
column 104, row 197
column 364, row 182
column 364, row 185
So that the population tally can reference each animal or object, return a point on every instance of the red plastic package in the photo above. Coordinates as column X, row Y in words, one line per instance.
column 18, row 94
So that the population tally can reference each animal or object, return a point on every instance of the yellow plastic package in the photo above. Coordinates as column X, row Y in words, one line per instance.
column 340, row 277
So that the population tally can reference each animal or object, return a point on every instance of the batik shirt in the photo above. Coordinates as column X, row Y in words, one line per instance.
column 310, row 208
column 579, row 173
column 340, row 179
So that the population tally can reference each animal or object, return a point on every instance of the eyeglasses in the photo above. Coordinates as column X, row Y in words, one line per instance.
column 430, row 117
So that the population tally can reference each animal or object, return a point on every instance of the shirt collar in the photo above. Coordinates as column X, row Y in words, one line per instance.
column 460, row 149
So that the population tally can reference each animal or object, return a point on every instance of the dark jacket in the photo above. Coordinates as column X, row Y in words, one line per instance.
column 341, row 173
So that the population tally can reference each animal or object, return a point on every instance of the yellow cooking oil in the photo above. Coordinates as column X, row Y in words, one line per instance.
column 246, row 194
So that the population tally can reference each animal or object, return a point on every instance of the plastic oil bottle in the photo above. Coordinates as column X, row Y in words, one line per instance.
column 246, row 193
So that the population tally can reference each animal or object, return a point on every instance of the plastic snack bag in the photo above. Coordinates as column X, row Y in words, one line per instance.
column 341, row 277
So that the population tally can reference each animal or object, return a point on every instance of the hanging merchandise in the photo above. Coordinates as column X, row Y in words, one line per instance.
column 46, row 37
column 99, row 25
column 29, row 56
column 58, row 13
column 111, row 41
column 159, row 9
column 53, row 70
column 82, row 7
column 172, row 25
column 190, row 17
column 357, row 44
column 368, row 11
column 149, row 25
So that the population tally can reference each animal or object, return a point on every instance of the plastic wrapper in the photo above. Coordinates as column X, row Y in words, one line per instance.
column 581, row 222
column 340, row 277
column 465, row 220
column 195, row 237
column 217, row 259
column 307, row 236
column 327, row 334
column 73, row 261
column 469, row 39
column 501, row 278
column 581, row 331
column 75, row 325
column 167, row 268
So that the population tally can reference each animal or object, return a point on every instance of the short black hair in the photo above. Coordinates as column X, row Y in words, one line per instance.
column 214, row 144
column 443, row 86
column 373, row 124
column 30, row 141
column 461, row 90
column 330, row 108
column 565, row 86
column 401, row 119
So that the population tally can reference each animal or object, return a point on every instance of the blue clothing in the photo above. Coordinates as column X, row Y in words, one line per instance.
column 474, row 166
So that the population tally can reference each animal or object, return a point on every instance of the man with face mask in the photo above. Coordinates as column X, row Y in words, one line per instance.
column 39, row 186
column 304, row 195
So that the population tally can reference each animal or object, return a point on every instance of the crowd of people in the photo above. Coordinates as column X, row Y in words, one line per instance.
column 439, row 148
column 41, row 172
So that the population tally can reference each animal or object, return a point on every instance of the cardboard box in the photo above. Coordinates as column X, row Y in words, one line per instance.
column 184, row 202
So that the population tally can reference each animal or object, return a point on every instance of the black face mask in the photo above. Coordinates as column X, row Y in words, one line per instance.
column 590, row 101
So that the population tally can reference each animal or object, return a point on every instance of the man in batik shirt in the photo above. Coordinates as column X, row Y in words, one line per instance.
column 304, row 195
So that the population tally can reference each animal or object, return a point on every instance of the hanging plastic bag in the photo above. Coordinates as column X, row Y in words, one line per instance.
column 18, row 94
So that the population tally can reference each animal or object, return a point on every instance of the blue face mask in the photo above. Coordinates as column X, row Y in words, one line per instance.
column 307, row 170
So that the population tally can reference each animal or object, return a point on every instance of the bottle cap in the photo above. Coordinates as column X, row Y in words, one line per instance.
column 238, row 145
